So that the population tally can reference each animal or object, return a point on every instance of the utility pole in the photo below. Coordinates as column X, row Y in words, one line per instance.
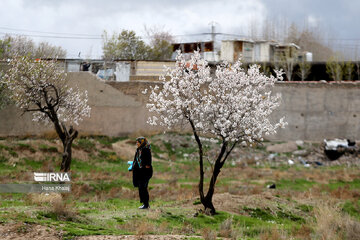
column 212, row 23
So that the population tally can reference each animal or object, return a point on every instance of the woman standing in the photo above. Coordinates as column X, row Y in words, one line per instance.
column 142, row 170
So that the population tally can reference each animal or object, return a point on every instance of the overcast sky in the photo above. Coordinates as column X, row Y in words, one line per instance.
column 65, row 18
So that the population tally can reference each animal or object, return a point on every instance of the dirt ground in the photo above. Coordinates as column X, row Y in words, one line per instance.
column 22, row 231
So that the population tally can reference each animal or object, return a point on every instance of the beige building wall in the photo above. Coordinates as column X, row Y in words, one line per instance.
column 227, row 51
column 152, row 68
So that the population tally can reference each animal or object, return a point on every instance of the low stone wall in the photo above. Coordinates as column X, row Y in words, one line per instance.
column 313, row 110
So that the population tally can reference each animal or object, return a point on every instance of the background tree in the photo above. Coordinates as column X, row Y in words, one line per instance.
column 334, row 68
column 348, row 70
column 304, row 69
column 46, row 50
column 234, row 106
column 40, row 88
column 22, row 46
column 160, row 43
column 287, row 60
column 125, row 45
column 3, row 90
column 4, row 99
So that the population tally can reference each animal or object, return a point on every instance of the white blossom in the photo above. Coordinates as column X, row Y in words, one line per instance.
column 40, row 87
column 234, row 104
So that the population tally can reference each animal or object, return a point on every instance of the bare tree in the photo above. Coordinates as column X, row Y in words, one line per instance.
column 334, row 68
column 287, row 60
column 23, row 46
column 304, row 69
column 40, row 88
column 46, row 50
column 348, row 70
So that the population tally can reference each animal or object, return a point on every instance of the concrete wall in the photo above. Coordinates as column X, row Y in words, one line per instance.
column 314, row 111
column 112, row 112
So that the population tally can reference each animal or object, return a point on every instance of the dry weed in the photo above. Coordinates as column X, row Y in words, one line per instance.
column 41, row 198
column 304, row 232
column 208, row 234
column 273, row 234
column 62, row 210
column 226, row 229
column 332, row 224
column 144, row 227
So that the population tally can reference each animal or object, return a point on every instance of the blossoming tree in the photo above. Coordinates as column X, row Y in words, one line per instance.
column 41, row 88
column 233, row 106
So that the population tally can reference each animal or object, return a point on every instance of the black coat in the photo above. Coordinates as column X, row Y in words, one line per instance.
column 142, row 173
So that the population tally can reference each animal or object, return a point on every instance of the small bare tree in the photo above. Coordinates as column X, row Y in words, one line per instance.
column 234, row 106
column 348, row 70
column 334, row 68
column 287, row 61
column 41, row 88
column 304, row 69
column 22, row 46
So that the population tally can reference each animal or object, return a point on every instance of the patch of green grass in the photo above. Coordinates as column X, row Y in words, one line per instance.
column 85, row 144
column 46, row 148
column 108, row 141
column 295, row 185
column 280, row 216
column 108, row 185
column 161, row 166
column 31, row 163
column 281, row 167
column 352, row 208
column 81, row 166
column 305, row 208
column 169, row 148
column 3, row 147
column 156, row 149
column 3, row 159
column 5, row 203
column 290, row 216
column 260, row 214
column 24, row 146
column 335, row 184
column 81, row 229
column 10, row 150
column 13, row 153
column 109, row 156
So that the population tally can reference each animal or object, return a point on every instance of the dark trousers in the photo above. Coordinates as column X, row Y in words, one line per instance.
column 143, row 191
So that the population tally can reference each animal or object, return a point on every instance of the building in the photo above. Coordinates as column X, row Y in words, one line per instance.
column 208, row 50
column 264, row 51
column 285, row 51
column 232, row 50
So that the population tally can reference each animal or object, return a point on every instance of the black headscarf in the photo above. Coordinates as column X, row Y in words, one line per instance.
column 143, row 144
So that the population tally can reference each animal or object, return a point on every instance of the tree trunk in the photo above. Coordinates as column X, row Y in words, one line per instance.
column 67, row 137
column 66, row 156
column 209, row 207
column 67, row 143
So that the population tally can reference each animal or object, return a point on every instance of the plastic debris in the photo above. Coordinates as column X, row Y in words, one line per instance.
column 335, row 148
column 131, row 165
